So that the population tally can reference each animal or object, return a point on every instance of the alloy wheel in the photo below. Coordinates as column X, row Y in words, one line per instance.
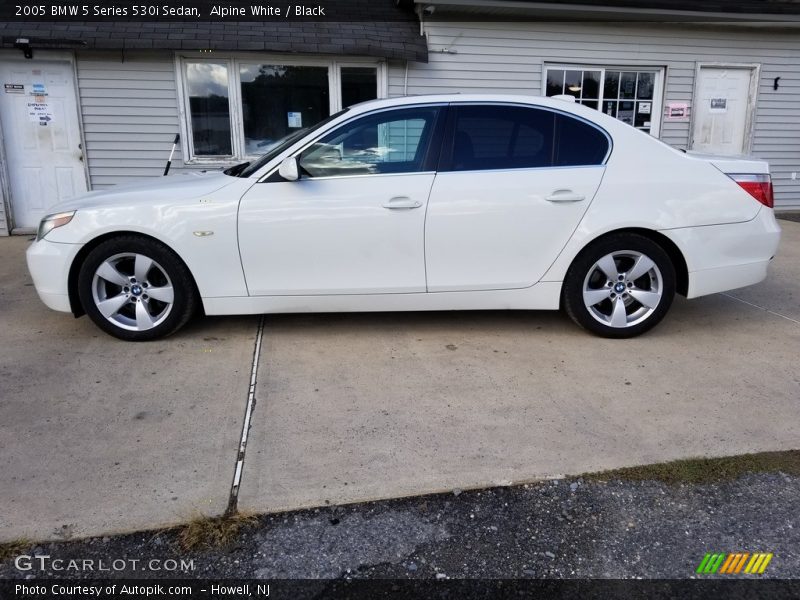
column 132, row 291
column 623, row 288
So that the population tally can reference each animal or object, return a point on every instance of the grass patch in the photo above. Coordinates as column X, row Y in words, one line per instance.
column 707, row 470
column 14, row 548
column 205, row 533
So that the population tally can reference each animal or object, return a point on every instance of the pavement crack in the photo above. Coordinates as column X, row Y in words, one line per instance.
column 233, row 498
column 772, row 312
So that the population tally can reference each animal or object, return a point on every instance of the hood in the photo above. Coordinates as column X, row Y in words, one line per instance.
column 173, row 188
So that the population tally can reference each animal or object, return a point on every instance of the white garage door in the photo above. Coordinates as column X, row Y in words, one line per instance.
column 41, row 136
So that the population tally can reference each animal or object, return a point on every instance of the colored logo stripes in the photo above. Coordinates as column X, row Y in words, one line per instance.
column 734, row 563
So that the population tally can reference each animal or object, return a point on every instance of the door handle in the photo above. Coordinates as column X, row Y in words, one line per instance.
column 402, row 202
column 565, row 196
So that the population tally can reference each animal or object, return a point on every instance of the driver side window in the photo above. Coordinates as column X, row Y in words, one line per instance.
column 395, row 141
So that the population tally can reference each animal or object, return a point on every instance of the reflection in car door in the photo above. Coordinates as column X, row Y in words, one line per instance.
column 513, row 184
column 354, row 222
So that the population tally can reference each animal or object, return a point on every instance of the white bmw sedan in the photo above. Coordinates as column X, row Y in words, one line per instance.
column 420, row 203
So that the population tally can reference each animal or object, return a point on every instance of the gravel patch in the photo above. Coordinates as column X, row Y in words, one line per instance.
column 567, row 528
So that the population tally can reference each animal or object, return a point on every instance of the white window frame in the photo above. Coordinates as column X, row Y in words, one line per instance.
column 656, row 109
column 233, row 61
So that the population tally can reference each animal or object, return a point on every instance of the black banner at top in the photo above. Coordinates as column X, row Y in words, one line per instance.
column 59, row 11
column 203, row 10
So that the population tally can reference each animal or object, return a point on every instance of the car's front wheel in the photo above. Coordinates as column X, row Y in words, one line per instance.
column 620, row 286
column 136, row 289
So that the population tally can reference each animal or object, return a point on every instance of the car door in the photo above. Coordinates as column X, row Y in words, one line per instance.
column 354, row 222
column 513, row 184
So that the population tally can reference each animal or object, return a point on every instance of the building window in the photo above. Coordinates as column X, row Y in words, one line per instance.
column 632, row 95
column 209, row 108
column 280, row 99
column 359, row 84
column 240, row 108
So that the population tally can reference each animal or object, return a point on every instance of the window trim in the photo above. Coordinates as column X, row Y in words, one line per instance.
column 446, row 156
column 233, row 61
column 657, row 109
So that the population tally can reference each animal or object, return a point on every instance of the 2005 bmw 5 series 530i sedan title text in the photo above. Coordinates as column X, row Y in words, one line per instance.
column 421, row 203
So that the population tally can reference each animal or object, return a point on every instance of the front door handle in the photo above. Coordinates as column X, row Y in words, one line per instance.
column 565, row 196
column 402, row 202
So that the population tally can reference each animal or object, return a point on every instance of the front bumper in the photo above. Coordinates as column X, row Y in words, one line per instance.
column 49, row 264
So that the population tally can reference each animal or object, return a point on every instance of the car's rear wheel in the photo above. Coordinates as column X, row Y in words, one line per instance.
column 136, row 289
column 620, row 286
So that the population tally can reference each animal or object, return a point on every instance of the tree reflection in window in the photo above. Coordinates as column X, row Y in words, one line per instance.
column 280, row 99
column 209, row 109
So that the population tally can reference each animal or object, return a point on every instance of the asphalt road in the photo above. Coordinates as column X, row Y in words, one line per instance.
column 567, row 528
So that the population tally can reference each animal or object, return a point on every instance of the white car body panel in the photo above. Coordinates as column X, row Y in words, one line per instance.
column 355, row 255
column 481, row 225
column 171, row 210
column 335, row 235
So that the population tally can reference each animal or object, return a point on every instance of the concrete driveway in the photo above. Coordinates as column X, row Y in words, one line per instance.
column 102, row 436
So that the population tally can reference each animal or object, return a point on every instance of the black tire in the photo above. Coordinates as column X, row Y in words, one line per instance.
column 167, row 271
column 624, row 249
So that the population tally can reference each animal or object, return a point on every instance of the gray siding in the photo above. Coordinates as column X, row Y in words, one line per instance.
column 509, row 58
column 130, row 115
column 4, row 201
column 3, row 216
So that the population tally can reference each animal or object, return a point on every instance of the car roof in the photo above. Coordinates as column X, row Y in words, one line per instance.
column 447, row 98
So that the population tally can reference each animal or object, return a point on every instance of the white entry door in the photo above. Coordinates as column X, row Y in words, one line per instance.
column 723, row 109
column 41, row 136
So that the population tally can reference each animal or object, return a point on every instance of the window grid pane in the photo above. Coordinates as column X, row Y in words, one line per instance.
column 359, row 84
column 280, row 99
column 626, row 95
column 209, row 108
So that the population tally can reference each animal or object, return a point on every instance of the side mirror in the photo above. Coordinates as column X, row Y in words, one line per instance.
column 289, row 169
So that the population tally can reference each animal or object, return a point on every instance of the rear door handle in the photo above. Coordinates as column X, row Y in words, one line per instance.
column 402, row 202
column 565, row 196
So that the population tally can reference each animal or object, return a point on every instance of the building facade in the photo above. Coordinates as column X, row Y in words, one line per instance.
column 99, row 104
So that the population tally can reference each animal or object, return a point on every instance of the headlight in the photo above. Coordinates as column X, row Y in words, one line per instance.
column 54, row 221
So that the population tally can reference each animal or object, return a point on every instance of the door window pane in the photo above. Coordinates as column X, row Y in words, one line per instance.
column 578, row 143
column 359, row 84
column 209, row 108
column 502, row 137
column 280, row 99
column 389, row 142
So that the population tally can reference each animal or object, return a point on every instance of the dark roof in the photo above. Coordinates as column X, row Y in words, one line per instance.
column 701, row 11
column 776, row 7
column 382, row 30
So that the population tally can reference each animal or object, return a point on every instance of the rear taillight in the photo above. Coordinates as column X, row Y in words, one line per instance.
column 759, row 186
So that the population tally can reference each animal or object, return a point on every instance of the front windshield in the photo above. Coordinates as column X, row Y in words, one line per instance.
column 283, row 144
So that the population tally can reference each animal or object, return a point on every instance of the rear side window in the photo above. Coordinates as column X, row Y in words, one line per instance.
column 502, row 137
column 489, row 137
column 578, row 143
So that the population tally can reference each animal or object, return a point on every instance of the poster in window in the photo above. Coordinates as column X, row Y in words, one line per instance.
column 295, row 120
